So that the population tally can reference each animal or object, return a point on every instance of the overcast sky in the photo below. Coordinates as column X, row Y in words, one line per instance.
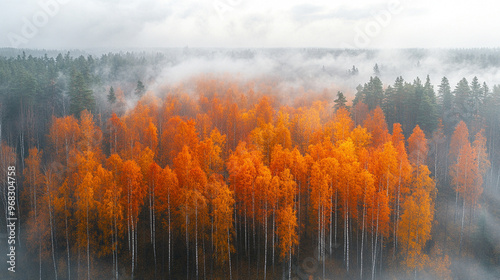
column 244, row 23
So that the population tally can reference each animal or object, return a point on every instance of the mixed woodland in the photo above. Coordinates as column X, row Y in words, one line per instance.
column 219, row 177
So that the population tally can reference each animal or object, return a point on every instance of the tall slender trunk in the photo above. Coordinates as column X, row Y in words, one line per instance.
column 362, row 239
column 115, row 244
column 396, row 222
column 336, row 199
column 187, row 246
column 246, row 232
column 253, row 216
column 274, row 223
column 196, row 237
column 39, row 256
column 323, row 240
column 319, row 232
column 265, row 239
column 299, row 220
column 461, row 229
column 229, row 254
column 154, row 229
column 374, row 253
column 67, row 238
column 88, row 243
column 331, row 223
column 52, row 234
column 169, row 235
column 347, row 228
column 133, row 245
column 128, row 220
column 290, row 260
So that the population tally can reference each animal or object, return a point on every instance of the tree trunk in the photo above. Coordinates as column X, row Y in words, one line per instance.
column 52, row 233
column 461, row 230
column 187, row 246
column 169, row 236
column 196, row 238
column 229, row 254
column 88, row 243
column 67, row 239
column 265, row 240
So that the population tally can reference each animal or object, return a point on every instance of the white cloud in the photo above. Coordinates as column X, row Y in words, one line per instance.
column 243, row 23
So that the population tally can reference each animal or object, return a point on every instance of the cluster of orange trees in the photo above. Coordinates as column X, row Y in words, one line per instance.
column 206, row 183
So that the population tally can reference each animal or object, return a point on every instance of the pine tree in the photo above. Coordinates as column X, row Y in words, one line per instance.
column 111, row 95
column 446, row 101
column 340, row 102
column 376, row 70
column 81, row 97
column 426, row 114
column 140, row 89
column 463, row 102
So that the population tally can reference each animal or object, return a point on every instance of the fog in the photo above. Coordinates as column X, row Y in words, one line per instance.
column 319, row 69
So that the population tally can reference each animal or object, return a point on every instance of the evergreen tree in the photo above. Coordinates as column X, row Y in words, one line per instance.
column 340, row 102
column 354, row 71
column 111, row 95
column 463, row 104
column 476, row 95
column 140, row 89
column 427, row 114
column 359, row 96
column 376, row 70
column 81, row 97
column 445, row 95
column 446, row 100
column 373, row 93
column 394, row 102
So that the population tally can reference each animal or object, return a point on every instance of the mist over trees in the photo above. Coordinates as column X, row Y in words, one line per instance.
column 131, row 166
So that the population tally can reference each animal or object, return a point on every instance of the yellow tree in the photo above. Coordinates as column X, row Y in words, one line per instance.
column 385, row 169
column 459, row 140
column 210, row 153
column 64, row 134
column 243, row 167
column 349, row 188
column 417, row 147
column 111, row 210
column 342, row 125
column 223, row 219
column 117, row 135
column 404, row 177
column 166, row 202
column 132, row 200
column 192, row 202
column 467, row 180
column 377, row 127
column 91, row 136
column 87, row 181
column 263, row 137
column 282, row 133
column 321, row 204
column 268, row 198
column 415, row 229
column 287, row 233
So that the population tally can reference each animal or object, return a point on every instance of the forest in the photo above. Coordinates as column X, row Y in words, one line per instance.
column 126, row 173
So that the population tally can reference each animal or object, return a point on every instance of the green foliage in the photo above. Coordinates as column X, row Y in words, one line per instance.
column 81, row 97
column 140, row 89
column 111, row 95
column 340, row 102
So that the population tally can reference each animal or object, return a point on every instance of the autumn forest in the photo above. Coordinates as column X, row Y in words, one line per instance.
column 224, row 177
